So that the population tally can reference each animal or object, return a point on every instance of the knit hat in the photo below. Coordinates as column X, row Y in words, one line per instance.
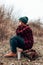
column 24, row 19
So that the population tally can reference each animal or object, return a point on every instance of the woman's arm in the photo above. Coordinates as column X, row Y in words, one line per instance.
column 20, row 30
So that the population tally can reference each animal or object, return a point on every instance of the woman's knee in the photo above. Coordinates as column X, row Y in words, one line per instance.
column 13, row 40
column 14, row 37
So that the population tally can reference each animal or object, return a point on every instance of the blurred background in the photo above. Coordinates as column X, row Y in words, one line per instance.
column 31, row 8
column 10, row 11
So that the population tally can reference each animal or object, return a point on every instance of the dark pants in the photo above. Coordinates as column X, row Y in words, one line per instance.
column 15, row 42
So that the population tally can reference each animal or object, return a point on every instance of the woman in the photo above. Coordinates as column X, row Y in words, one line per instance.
column 23, row 38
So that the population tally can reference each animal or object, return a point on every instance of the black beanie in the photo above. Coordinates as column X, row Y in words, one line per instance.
column 24, row 19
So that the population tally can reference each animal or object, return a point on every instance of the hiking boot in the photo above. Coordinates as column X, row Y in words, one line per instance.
column 11, row 54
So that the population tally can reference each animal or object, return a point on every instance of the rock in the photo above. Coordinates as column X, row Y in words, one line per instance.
column 1, row 63
column 12, row 64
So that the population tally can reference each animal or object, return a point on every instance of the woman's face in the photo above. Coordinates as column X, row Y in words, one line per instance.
column 20, row 22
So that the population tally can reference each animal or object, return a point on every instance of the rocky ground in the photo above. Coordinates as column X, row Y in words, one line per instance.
column 5, row 47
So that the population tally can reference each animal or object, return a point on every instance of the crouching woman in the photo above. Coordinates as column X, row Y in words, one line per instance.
column 23, row 39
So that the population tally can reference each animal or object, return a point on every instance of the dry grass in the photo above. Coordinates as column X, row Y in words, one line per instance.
column 7, row 25
column 37, row 29
column 7, row 30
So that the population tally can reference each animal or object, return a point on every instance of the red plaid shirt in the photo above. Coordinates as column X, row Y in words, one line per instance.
column 26, row 33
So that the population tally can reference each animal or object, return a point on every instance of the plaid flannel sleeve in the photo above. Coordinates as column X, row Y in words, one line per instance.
column 20, row 30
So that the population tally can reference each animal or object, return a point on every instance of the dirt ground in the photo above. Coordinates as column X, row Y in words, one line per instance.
column 5, row 47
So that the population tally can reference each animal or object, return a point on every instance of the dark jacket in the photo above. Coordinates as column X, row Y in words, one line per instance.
column 26, row 33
